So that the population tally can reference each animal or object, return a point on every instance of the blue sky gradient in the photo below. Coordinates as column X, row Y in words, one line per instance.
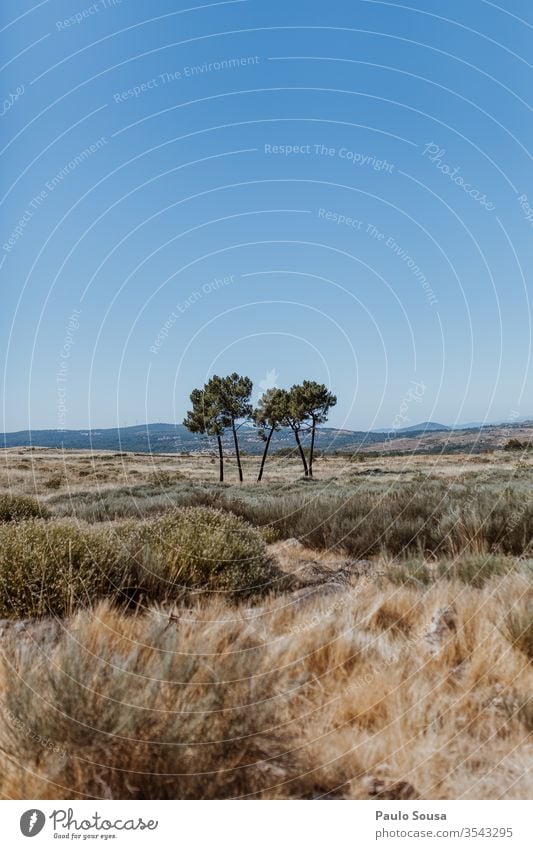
column 338, row 191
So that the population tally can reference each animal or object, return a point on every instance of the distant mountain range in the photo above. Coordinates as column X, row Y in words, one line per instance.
column 418, row 428
column 175, row 438
column 168, row 438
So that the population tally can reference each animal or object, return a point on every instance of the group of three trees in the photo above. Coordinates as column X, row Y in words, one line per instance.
column 225, row 402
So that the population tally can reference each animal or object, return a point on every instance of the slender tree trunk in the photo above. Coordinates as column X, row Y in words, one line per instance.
column 265, row 452
column 312, row 449
column 237, row 452
column 302, row 454
column 220, row 459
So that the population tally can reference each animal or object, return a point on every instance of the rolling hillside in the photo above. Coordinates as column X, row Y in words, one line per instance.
column 160, row 438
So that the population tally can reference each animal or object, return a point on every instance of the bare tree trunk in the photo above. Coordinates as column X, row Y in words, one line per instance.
column 265, row 452
column 220, row 459
column 237, row 452
column 312, row 449
column 302, row 454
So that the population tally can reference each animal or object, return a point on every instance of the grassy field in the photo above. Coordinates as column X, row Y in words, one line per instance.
column 367, row 635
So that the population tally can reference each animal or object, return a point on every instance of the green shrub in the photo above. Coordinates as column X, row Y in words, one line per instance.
column 49, row 568
column 269, row 534
column 415, row 573
column 16, row 508
column 54, row 482
column 430, row 517
column 55, row 568
column 476, row 570
column 165, row 478
column 515, row 445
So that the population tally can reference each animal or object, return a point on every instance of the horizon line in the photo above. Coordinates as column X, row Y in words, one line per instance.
column 418, row 425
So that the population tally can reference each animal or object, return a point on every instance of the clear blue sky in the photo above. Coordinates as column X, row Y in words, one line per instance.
column 331, row 190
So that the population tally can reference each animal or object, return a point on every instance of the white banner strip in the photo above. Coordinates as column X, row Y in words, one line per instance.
column 269, row 825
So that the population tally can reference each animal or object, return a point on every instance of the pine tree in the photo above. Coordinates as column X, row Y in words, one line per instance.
column 315, row 400
column 207, row 417
column 295, row 417
column 309, row 405
column 234, row 394
column 231, row 397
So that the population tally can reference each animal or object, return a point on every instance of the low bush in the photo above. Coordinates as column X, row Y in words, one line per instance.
column 516, row 445
column 165, row 478
column 17, row 508
column 416, row 573
column 199, row 547
column 477, row 570
column 52, row 568
column 54, row 482
column 55, row 568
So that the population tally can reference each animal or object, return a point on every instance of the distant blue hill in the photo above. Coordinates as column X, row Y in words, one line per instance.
column 160, row 437
column 417, row 428
column 424, row 426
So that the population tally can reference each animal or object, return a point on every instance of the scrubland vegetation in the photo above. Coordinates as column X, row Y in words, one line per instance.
column 15, row 508
column 365, row 635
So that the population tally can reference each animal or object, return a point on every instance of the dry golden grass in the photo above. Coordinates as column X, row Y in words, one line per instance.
column 29, row 471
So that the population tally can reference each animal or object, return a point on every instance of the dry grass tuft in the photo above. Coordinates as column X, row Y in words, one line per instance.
column 519, row 628
column 335, row 697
